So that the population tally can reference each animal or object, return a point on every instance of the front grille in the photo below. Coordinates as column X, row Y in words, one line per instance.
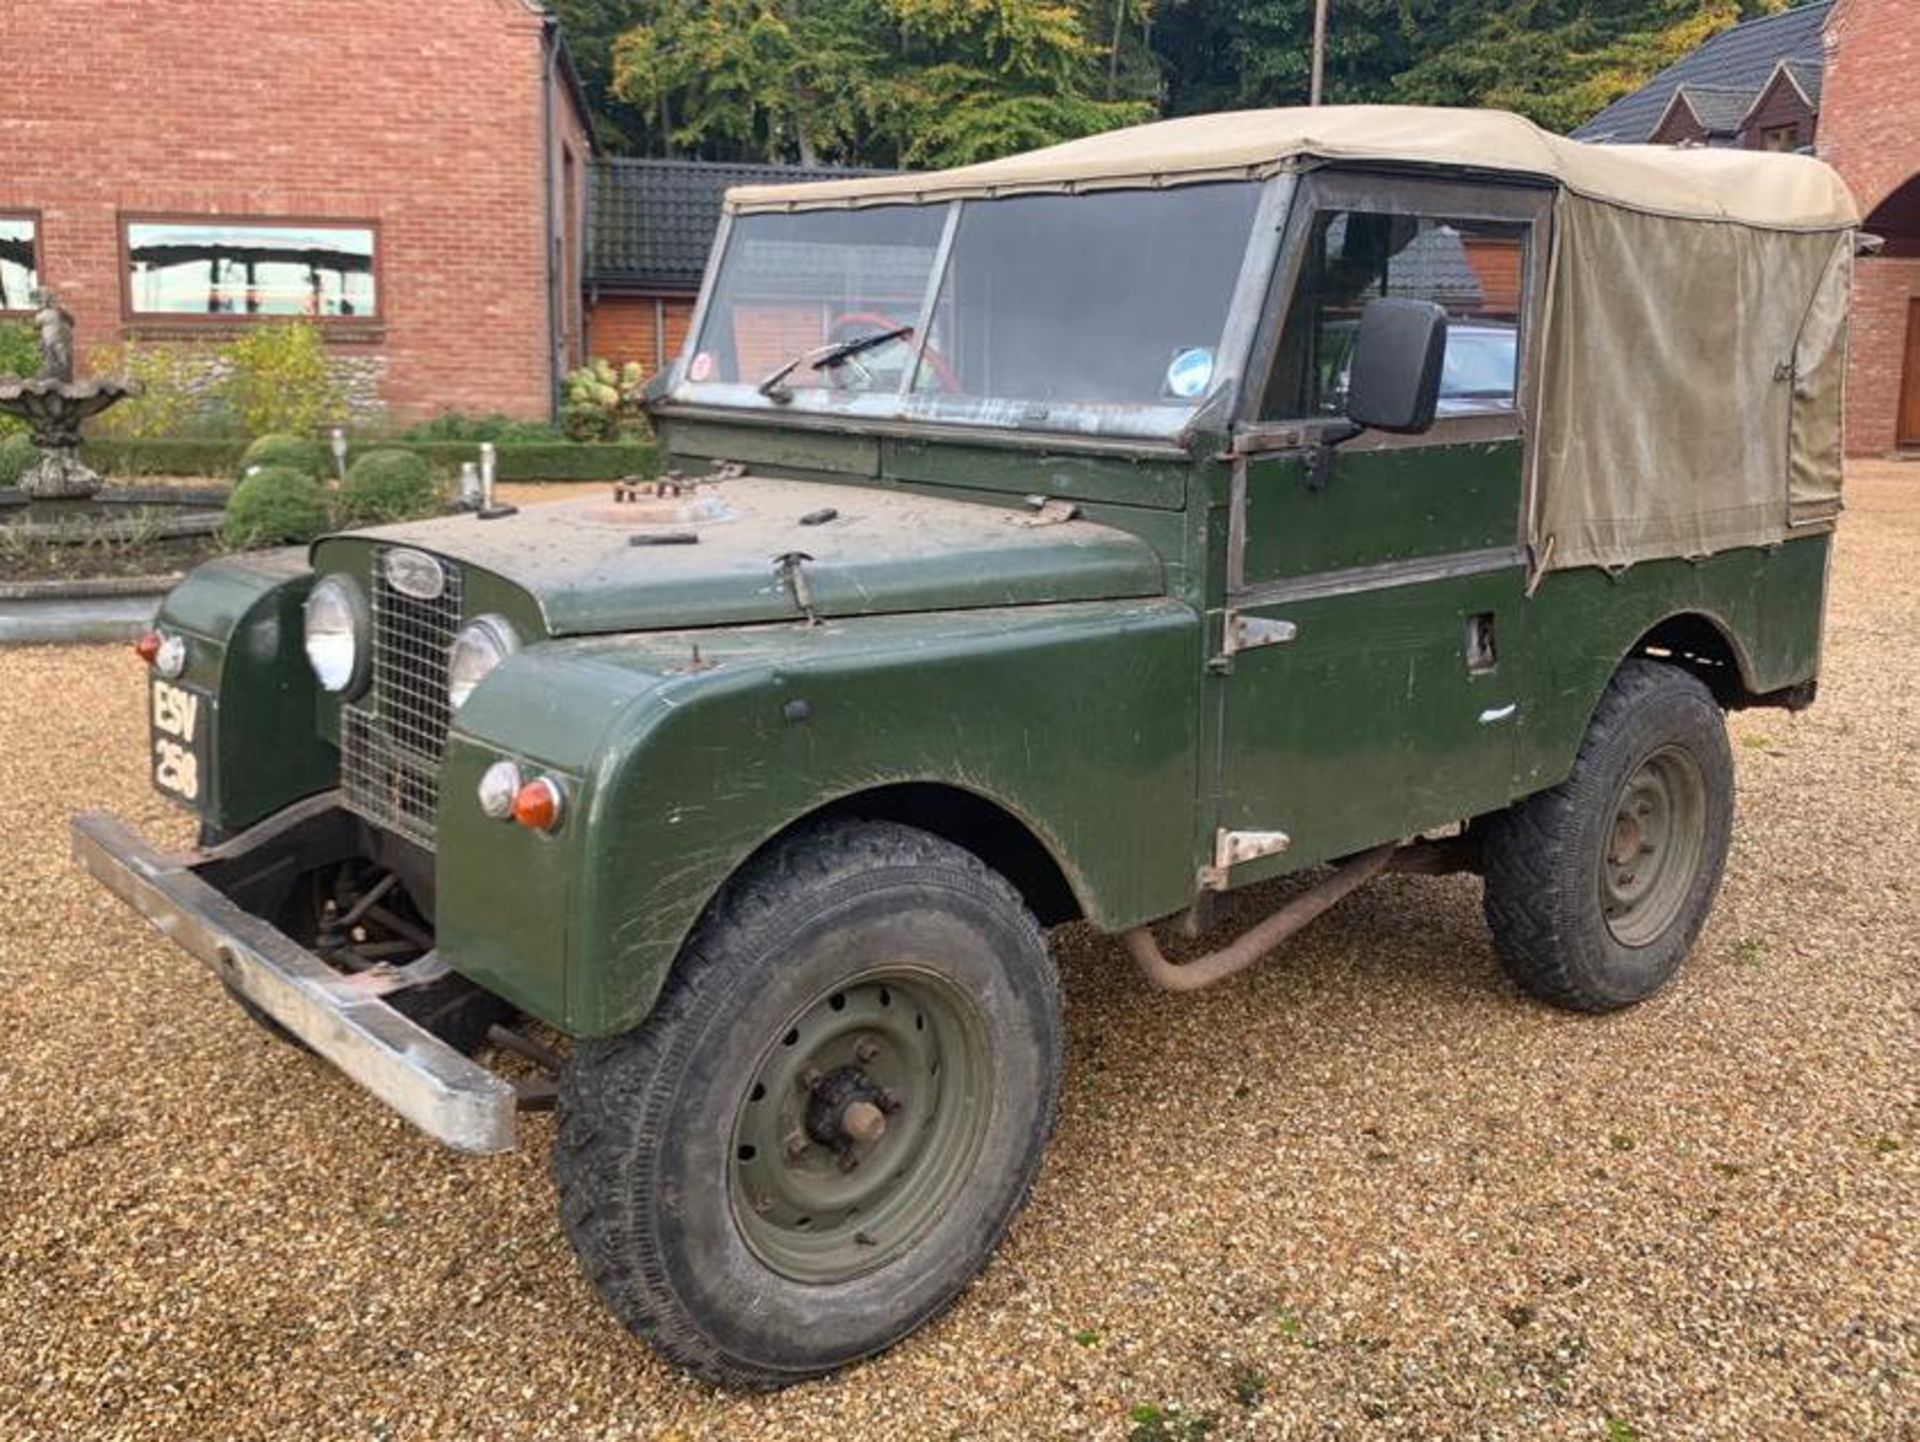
column 392, row 737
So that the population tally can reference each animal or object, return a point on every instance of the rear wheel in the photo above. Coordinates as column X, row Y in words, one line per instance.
column 830, row 1118
column 1597, row 889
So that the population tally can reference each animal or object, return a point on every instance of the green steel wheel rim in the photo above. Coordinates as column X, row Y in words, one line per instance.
column 1654, row 846
column 861, row 1121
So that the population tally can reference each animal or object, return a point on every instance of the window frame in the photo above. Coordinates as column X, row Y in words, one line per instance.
column 127, row 219
column 33, row 218
column 1521, row 201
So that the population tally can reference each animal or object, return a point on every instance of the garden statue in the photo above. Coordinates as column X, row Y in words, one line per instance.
column 54, row 404
column 56, row 337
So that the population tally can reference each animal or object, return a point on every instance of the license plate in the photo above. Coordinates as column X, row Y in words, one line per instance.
column 181, row 716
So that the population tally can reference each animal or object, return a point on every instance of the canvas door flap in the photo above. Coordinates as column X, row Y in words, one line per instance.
column 1819, row 395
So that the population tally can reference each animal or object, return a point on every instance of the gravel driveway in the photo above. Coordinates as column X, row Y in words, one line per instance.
column 1365, row 1190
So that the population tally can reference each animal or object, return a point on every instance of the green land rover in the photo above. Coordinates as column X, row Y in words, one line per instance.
column 1081, row 535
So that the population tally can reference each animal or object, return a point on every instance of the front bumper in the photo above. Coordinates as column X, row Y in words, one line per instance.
column 445, row 1094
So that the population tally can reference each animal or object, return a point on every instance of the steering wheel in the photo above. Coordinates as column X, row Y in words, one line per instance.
column 874, row 322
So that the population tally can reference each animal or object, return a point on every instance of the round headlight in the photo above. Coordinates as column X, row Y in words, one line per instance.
column 480, row 646
column 336, row 622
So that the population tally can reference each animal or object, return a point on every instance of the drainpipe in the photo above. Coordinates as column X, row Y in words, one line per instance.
column 556, row 312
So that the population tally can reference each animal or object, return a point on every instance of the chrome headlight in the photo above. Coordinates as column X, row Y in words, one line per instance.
column 336, row 630
column 480, row 646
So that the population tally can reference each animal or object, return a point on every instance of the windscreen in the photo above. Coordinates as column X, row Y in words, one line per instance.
column 1100, row 312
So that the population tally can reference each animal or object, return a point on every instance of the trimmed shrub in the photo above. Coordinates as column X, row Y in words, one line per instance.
column 16, row 454
column 502, row 430
column 112, row 456
column 278, row 506
column 297, row 453
column 551, row 461
column 389, row 485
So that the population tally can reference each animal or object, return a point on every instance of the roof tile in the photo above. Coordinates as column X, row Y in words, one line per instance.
column 651, row 222
column 1742, row 58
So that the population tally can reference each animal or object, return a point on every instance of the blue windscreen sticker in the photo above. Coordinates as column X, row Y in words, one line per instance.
column 1189, row 372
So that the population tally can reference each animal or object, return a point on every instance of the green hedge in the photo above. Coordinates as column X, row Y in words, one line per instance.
column 519, row 461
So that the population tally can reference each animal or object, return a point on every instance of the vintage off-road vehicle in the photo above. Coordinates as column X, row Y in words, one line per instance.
column 1080, row 535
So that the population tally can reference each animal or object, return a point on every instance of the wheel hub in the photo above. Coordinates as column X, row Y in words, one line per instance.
column 848, row 1110
column 858, row 1124
column 1654, row 846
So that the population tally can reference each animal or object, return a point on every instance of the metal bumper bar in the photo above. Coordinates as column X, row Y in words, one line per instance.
column 445, row 1094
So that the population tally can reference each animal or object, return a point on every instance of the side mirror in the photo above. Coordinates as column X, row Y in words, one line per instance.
column 1394, row 384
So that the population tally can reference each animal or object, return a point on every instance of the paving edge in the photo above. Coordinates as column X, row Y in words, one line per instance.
column 56, row 613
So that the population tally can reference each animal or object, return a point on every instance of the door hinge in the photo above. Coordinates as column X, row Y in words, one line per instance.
column 1240, row 632
column 1235, row 848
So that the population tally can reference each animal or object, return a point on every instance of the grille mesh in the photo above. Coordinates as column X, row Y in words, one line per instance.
column 392, row 738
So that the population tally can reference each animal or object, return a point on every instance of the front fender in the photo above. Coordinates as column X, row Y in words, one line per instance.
column 241, row 619
column 687, row 751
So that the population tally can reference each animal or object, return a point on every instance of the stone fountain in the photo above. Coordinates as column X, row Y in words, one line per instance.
column 53, row 404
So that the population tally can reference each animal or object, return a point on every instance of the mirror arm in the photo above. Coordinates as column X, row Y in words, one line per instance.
column 1319, row 457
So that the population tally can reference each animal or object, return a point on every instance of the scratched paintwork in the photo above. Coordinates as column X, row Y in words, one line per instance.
column 1381, row 505
column 882, row 551
column 1078, row 719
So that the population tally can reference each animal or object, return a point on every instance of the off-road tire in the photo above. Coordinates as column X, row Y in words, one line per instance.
column 648, row 1120
column 1545, row 855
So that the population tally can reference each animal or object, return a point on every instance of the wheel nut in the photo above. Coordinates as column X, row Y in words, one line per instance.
column 865, row 1052
column 808, row 1079
column 889, row 1102
column 796, row 1146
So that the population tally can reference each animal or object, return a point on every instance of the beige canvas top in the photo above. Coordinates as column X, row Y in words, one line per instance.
column 1780, row 192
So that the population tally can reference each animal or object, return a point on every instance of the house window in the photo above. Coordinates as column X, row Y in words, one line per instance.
column 1780, row 137
column 238, row 269
column 19, row 261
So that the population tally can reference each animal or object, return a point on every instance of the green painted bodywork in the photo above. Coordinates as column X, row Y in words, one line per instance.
column 241, row 618
column 695, row 702
column 1077, row 719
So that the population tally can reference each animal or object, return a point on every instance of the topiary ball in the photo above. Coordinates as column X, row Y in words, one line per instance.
column 17, row 452
column 309, row 457
column 277, row 506
column 388, row 486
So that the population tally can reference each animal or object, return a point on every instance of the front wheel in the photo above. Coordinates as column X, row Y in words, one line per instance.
column 830, row 1118
column 1597, row 889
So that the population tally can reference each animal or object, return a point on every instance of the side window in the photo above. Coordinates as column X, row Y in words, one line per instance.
column 1475, row 268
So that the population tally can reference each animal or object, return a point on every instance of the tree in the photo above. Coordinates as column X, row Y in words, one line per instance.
column 923, row 82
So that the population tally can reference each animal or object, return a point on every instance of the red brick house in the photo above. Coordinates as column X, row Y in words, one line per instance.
column 1870, row 131
column 412, row 177
column 1836, row 78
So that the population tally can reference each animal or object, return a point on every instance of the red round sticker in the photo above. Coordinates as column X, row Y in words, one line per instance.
column 701, row 366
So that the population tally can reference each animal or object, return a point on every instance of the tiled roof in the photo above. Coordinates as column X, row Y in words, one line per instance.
column 650, row 222
column 1807, row 74
column 1720, row 108
column 1742, row 58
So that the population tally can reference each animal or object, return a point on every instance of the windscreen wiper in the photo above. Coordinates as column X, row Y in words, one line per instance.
column 826, row 357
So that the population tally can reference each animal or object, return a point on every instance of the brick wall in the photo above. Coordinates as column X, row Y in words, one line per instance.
column 1870, row 131
column 426, row 119
column 1883, row 291
column 649, row 329
column 1870, row 121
